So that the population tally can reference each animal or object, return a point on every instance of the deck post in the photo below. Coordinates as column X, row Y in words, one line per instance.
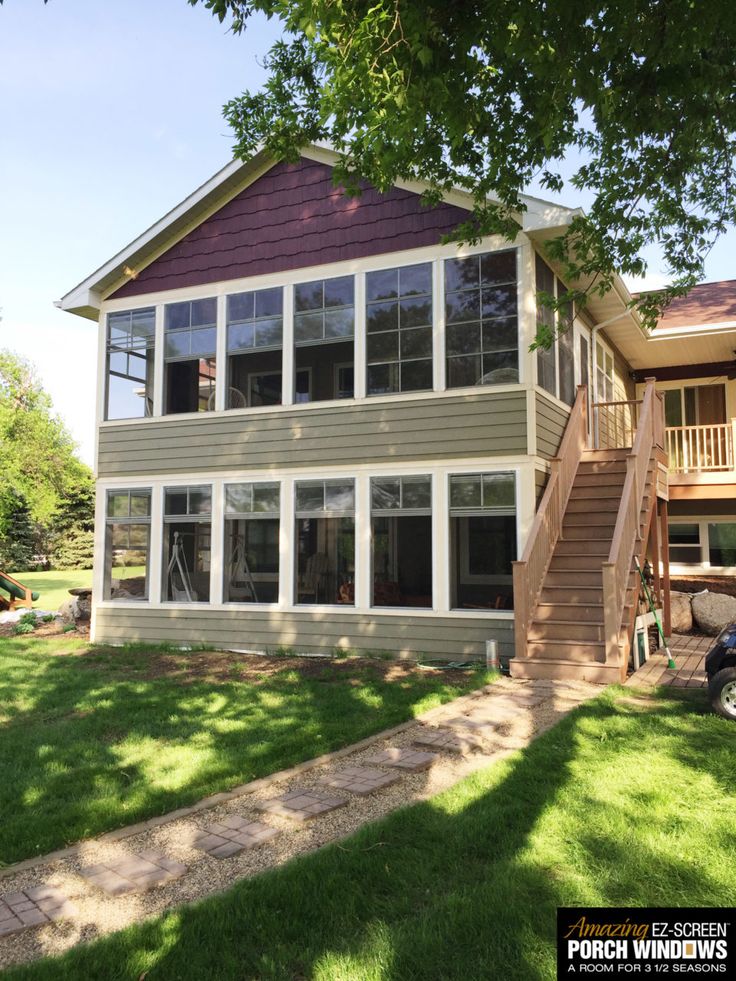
column 667, row 625
column 654, row 540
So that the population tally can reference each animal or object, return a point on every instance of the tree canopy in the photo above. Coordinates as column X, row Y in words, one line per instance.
column 46, row 492
column 488, row 95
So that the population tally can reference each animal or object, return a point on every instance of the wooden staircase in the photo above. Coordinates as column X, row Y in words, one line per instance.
column 576, row 586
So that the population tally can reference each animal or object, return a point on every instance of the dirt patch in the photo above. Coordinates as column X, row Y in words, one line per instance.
column 52, row 629
column 696, row 584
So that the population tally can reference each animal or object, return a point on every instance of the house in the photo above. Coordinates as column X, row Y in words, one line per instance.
column 320, row 427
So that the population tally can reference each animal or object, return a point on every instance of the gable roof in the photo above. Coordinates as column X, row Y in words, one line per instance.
column 121, row 274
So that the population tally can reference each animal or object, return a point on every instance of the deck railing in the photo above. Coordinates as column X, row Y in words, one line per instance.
column 701, row 449
column 627, row 532
column 530, row 570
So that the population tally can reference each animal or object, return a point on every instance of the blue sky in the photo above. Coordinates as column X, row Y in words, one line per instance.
column 110, row 114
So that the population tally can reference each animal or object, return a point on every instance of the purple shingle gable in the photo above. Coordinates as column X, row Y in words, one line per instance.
column 293, row 217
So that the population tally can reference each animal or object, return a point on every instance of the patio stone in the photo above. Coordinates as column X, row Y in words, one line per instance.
column 231, row 836
column 301, row 805
column 133, row 873
column 405, row 759
column 360, row 780
column 448, row 741
column 37, row 905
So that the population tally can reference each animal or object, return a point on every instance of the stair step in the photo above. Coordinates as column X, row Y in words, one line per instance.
column 571, row 631
column 577, row 651
column 605, row 455
column 599, row 478
column 593, row 505
column 586, row 518
column 587, row 562
column 613, row 468
column 595, row 492
column 560, row 668
column 582, row 532
column 585, row 595
column 582, row 612
column 600, row 546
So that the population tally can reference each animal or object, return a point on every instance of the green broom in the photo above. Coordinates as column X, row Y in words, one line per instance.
column 650, row 601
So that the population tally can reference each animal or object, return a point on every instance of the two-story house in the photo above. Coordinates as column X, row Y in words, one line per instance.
column 320, row 427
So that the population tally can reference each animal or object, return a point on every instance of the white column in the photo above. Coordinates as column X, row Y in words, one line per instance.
column 287, row 545
column 363, row 542
column 217, row 542
column 287, row 379
column 99, row 535
column 155, row 558
column 158, row 363
column 527, row 313
column 438, row 325
column 525, row 503
column 221, row 355
column 440, row 543
column 361, row 342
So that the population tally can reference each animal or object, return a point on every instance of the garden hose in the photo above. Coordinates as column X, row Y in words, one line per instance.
column 650, row 601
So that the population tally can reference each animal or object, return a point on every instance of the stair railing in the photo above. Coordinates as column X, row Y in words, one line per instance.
column 530, row 570
column 627, row 532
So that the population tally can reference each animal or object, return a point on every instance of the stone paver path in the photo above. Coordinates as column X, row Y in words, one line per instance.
column 33, row 907
column 232, row 836
column 405, row 759
column 301, row 804
column 205, row 848
column 448, row 741
column 360, row 780
column 133, row 873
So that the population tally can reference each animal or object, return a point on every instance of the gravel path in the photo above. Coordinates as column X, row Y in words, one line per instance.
column 97, row 913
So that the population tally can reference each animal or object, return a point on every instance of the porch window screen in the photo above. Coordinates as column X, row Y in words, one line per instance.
column 190, row 329
column 399, row 329
column 481, row 313
column 401, row 533
column 130, row 350
column 325, row 541
column 482, row 540
column 187, row 544
column 252, row 524
column 255, row 326
column 324, row 345
column 127, row 544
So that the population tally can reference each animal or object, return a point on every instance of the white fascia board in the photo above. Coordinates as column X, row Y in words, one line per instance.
column 696, row 330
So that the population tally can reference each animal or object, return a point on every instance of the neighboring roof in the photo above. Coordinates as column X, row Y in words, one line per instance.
column 85, row 299
column 705, row 304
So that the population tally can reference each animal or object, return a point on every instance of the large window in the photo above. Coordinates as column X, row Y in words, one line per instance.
column 127, row 543
column 556, row 364
column 189, row 354
column 251, row 565
column 254, row 348
column 401, row 529
column 482, row 335
column 325, row 541
column 130, row 348
column 684, row 542
column 187, row 544
column 482, row 540
column 722, row 543
column 399, row 329
column 324, row 345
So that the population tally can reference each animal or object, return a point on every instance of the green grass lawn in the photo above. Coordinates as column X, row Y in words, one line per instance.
column 93, row 739
column 617, row 805
column 53, row 586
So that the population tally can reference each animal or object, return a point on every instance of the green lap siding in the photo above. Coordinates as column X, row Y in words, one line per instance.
column 480, row 424
column 449, row 638
column 551, row 422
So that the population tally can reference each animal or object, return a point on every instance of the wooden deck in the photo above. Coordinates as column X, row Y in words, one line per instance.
column 689, row 653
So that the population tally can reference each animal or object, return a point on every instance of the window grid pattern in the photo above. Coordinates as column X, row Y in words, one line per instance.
column 255, row 320
column 483, row 492
column 481, row 315
column 324, row 310
column 187, row 502
column 321, row 497
column 399, row 329
column 190, row 329
column 252, row 500
column 408, row 494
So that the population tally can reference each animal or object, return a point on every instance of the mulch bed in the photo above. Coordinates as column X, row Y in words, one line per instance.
column 696, row 584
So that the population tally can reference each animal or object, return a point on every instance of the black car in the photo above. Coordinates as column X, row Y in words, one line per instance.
column 720, row 666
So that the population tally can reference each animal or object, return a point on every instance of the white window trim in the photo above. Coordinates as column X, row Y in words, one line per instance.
column 523, row 470
column 287, row 280
column 703, row 567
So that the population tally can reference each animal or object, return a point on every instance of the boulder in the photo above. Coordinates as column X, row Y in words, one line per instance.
column 69, row 610
column 713, row 611
column 681, row 611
